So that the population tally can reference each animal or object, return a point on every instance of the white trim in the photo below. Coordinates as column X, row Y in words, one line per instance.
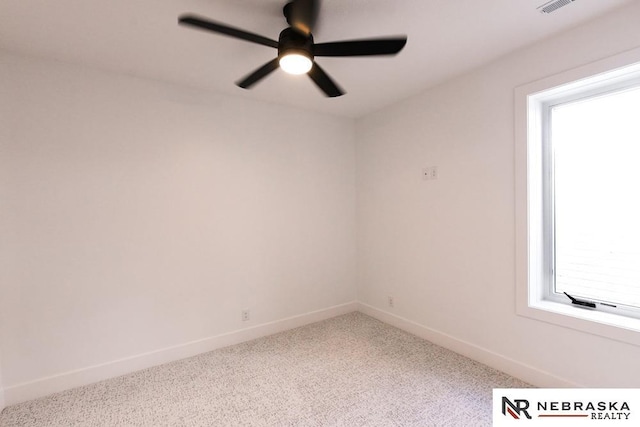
column 529, row 299
column 2, row 399
column 64, row 381
column 497, row 361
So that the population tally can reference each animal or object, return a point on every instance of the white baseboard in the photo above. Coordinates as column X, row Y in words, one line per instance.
column 509, row 366
column 2, row 399
column 67, row 380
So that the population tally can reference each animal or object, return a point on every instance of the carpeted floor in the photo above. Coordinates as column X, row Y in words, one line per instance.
column 351, row 370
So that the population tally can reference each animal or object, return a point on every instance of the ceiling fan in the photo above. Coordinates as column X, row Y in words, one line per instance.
column 296, row 48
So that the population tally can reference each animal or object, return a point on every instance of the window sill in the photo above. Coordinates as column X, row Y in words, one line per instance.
column 619, row 328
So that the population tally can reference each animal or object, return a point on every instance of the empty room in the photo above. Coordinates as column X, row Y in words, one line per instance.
column 318, row 213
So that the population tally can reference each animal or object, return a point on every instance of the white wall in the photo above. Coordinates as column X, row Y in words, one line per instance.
column 139, row 216
column 445, row 249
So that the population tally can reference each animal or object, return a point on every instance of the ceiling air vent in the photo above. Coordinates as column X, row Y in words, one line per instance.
column 553, row 5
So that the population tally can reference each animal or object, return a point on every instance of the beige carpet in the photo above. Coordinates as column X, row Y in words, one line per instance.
column 351, row 370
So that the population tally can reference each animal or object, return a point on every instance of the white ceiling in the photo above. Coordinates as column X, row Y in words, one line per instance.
column 142, row 38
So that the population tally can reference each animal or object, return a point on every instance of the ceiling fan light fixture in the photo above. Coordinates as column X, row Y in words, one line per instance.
column 295, row 63
column 296, row 48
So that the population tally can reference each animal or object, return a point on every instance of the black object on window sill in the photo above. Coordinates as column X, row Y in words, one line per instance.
column 581, row 302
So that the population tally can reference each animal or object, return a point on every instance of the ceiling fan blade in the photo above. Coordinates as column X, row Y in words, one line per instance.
column 216, row 27
column 361, row 47
column 324, row 82
column 303, row 14
column 258, row 74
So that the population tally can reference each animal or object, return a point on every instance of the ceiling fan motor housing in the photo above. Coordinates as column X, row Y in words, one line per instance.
column 294, row 42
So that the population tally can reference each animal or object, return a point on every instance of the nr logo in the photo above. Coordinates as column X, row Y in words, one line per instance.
column 516, row 409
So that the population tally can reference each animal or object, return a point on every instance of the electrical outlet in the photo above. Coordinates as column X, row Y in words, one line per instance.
column 430, row 173
column 245, row 315
column 390, row 301
column 433, row 170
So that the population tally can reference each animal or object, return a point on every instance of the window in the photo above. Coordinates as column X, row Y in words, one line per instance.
column 578, row 198
column 593, row 218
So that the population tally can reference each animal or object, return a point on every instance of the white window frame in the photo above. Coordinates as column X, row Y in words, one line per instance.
column 533, row 262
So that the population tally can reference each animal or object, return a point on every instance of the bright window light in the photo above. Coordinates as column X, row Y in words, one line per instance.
column 596, row 147
column 577, row 209
column 295, row 63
